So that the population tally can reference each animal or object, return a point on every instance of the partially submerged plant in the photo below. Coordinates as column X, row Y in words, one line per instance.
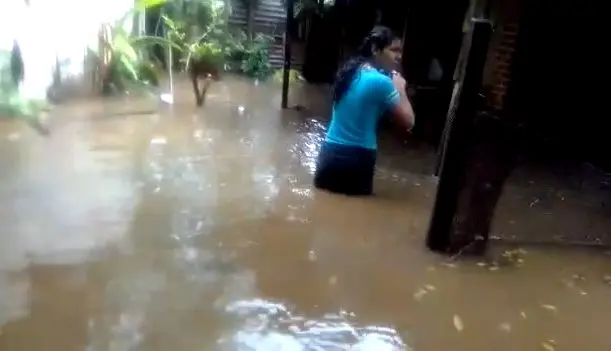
column 200, row 49
column 121, row 64
column 251, row 54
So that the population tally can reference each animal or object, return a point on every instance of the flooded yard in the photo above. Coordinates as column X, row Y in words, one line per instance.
column 174, row 228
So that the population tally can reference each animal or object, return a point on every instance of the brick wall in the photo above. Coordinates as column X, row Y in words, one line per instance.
column 501, row 66
column 497, row 75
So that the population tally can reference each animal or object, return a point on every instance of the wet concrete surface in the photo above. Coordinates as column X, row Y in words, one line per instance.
column 198, row 229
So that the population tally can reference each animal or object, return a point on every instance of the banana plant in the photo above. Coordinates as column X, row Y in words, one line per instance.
column 120, row 60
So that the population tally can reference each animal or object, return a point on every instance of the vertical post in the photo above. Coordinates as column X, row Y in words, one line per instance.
column 287, row 53
column 457, row 137
column 250, row 23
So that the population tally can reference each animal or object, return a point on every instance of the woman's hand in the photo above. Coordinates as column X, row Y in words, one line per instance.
column 403, row 111
column 399, row 82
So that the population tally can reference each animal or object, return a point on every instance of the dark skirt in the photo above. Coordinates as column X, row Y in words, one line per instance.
column 345, row 169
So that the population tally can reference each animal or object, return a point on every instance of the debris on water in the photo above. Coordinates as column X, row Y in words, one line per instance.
column 493, row 268
column 458, row 324
column 449, row 264
column 241, row 109
column 482, row 264
column 427, row 288
column 506, row 327
column 523, row 314
column 549, row 307
column 159, row 141
column 312, row 255
column 582, row 293
column 548, row 345
column 579, row 277
column 419, row 294
column 512, row 258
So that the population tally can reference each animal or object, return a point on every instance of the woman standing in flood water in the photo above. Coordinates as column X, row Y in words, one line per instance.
column 367, row 87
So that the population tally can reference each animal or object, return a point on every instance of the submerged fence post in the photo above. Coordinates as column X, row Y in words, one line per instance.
column 287, row 52
column 457, row 140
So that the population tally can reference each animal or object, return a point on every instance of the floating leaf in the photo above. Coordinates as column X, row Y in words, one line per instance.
column 547, row 346
column 430, row 287
column 550, row 308
column 506, row 327
column 458, row 324
column 418, row 295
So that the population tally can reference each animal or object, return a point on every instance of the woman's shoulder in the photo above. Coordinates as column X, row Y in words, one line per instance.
column 371, row 75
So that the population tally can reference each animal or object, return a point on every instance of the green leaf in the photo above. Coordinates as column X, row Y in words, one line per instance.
column 147, row 4
column 130, row 66
column 145, row 41
column 122, row 46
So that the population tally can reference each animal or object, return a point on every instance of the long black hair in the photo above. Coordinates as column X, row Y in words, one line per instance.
column 377, row 40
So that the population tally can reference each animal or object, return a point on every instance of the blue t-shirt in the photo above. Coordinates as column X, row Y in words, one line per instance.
column 355, row 118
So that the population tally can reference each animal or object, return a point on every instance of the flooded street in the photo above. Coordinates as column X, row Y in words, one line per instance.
column 155, row 228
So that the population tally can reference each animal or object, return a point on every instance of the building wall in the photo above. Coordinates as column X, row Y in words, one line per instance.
column 54, row 33
column 268, row 18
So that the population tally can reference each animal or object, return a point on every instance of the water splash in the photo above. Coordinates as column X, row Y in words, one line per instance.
column 267, row 325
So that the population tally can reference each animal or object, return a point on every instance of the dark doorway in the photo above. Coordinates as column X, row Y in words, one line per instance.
column 557, row 87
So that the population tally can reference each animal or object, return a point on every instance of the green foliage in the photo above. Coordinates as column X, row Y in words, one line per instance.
column 198, row 32
column 198, row 15
column 294, row 76
column 256, row 64
column 127, row 69
column 204, row 47
column 252, row 55
column 12, row 103
column 209, row 52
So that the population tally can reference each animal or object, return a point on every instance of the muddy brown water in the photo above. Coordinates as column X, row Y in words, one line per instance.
column 187, row 229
